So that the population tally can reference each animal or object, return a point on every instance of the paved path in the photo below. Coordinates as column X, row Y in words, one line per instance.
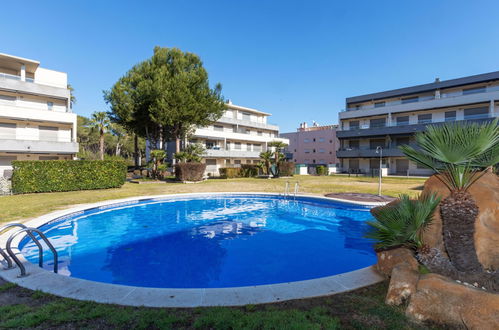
column 361, row 197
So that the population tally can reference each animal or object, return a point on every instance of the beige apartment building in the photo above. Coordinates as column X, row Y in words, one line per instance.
column 389, row 119
column 36, row 122
column 238, row 137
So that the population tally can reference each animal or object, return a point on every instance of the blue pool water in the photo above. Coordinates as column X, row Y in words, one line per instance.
column 210, row 241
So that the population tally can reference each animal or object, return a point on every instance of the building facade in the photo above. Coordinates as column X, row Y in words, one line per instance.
column 238, row 137
column 389, row 119
column 315, row 145
column 36, row 122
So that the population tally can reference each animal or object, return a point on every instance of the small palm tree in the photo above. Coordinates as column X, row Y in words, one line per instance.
column 459, row 154
column 267, row 157
column 278, row 155
column 192, row 153
column 158, row 157
column 100, row 122
column 403, row 224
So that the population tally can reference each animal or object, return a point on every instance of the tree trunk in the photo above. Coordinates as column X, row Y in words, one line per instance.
column 177, row 144
column 459, row 212
column 101, row 145
column 136, row 151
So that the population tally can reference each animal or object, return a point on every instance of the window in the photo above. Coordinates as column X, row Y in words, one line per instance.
column 306, row 140
column 257, row 147
column 402, row 141
column 246, row 116
column 7, row 131
column 237, row 146
column 7, row 160
column 322, row 161
column 374, row 143
column 354, row 144
column 322, row 151
column 260, row 133
column 48, row 158
column 474, row 90
column 373, row 164
column 404, row 120
column 424, row 119
column 237, row 162
column 50, row 105
column 380, row 122
column 322, row 140
column 227, row 162
column 307, row 151
column 410, row 99
column 48, row 133
column 248, row 161
column 354, row 124
column 419, row 166
column 7, row 97
column 211, row 162
column 353, row 164
column 476, row 113
column 256, row 161
column 379, row 104
column 218, row 128
column 450, row 115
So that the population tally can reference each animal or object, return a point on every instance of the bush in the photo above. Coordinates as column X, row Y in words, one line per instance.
column 190, row 171
column 249, row 170
column 230, row 172
column 321, row 170
column 287, row 169
column 66, row 175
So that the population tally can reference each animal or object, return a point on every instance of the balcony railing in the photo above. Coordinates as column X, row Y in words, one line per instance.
column 425, row 122
column 14, row 77
column 424, row 98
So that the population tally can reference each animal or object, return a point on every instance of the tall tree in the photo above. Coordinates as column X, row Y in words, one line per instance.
column 165, row 97
column 101, row 123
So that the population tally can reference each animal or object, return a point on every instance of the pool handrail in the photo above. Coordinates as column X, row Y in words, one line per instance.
column 5, row 255
column 30, row 230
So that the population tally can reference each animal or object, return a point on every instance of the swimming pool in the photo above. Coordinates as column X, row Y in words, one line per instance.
column 209, row 241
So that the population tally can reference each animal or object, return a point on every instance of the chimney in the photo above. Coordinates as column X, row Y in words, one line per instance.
column 437, row 80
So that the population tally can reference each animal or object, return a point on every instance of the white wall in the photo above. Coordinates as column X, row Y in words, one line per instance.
column 51, row 78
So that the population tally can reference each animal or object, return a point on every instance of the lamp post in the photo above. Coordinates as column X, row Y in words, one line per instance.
column 379, row 150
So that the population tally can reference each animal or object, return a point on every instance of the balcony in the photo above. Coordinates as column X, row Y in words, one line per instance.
column 14, row 83
column 404, row 129
column 427, row 102
column 29, row 146
column 248, row 123
column 366, row 152
column 223, row 153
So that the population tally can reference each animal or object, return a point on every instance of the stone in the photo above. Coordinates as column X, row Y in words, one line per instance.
column 444, row 301
column 388, row 259
column 5, row 186
column 486, row 194
column 403, row 284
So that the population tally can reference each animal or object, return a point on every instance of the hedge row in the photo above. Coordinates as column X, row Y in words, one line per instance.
column 245, row 171
column 66, row 175
column 287, row 169
column 190, row 171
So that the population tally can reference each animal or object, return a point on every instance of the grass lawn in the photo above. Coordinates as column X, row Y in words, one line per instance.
column 31, row 205
column 360, row 309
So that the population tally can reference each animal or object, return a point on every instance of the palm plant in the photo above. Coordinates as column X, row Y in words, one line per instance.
column 100, row 122
column 278, row 155
column 460, row 154
column 191, row 153
column 158, row 157
column 267, row 157
column 403, row 224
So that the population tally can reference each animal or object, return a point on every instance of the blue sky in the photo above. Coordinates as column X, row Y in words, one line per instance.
column 298, row 60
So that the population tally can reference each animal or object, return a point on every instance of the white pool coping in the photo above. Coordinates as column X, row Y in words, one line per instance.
column 76, row 288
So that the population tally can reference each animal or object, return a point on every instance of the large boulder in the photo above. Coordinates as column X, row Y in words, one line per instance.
column 486, row 194
column 402, row 284
column 388, row 259
column 444, row 301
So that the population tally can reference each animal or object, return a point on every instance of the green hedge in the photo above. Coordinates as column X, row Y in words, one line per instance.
column 287, row 169
column 66, row 175
column 230, row 172
column 190, row 171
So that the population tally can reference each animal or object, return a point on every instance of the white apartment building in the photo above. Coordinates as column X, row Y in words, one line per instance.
column 238, row 137
column 36, row 122
column 390, row 119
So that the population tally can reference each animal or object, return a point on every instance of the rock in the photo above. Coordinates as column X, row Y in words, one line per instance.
column 486, row 194
column 402, row 284
column 445, row 301
column 388, row 259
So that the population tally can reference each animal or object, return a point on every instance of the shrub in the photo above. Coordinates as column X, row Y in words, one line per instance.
column 66, row 175
column 190, row 171
column 230, row 172
column 321, row 170
column 249, row 170
column 287, row 169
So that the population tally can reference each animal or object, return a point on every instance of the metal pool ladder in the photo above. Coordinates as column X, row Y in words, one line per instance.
column 287, row 192
column 10, row 255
